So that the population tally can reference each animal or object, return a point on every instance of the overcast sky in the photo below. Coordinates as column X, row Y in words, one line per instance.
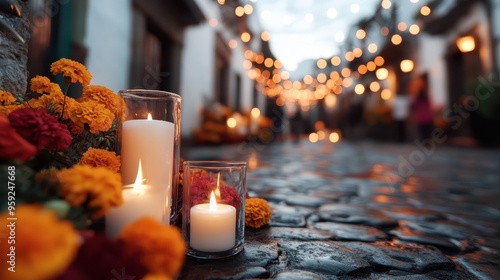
column 312, row 29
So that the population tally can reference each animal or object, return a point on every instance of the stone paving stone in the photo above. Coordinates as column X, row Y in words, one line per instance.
column 251, row 262
column 352, row 232
column 298, row 275
column 406, row 257
column 304, row 234
column 287, row 216
column 482, row 264
column 287, row 220
column 357, row 214
column 325, row 258
column 408, row 235
column 408, row 213
column 442, row 228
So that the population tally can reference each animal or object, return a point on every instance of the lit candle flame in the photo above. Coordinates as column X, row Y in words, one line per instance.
column 213, row 203
column 149, row 117
column 217, row 190
column 139, row 179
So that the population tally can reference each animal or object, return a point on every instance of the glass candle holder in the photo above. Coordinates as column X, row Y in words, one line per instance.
column 149, row 146
column 213, row 208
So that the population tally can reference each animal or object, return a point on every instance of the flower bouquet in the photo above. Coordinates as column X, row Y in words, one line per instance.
column 58, row 162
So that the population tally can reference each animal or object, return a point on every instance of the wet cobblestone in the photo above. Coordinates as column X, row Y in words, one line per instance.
column 365, row 211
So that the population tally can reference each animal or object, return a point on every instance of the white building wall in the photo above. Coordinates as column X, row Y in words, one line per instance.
column 110, row 51
column 433, row 51
column 197, row 69
column 108, row 39
column 197, row 77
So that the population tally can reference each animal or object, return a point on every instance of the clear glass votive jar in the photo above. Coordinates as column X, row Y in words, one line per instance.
column 149, row 149
column 213, row 208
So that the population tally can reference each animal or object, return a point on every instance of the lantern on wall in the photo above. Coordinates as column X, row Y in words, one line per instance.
column 466, row 44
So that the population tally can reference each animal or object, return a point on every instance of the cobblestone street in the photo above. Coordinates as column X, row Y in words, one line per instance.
column 365, row 211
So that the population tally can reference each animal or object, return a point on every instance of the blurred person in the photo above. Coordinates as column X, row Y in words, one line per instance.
column 400, row 113
column 296, row 125
column 422, row 114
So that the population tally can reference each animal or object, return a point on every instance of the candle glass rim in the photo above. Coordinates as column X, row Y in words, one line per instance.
column 214, row 163
column 148, row 94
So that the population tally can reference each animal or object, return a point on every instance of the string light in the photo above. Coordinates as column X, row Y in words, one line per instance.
column 265, row 36
column 406, row 65
column 382, row 73
column 246, row 37
column 386, row 94
column 372, row 48
column 414, row 29
column 402, row 26
column 239, row 11
column 278, row 82
column 374, row 86
column 359, row 89
column 396, row 39
column 321, row 64
column 360, row 34
column 248, row 9
column 335, row 61
column 425, row 10
column 386, row 4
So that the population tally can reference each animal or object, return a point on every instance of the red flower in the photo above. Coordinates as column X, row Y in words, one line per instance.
column 108, row 259
column 12, row 145
column 203, row 184
column 41, row 129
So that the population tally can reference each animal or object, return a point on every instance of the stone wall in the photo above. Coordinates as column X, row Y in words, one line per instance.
column 13, row 53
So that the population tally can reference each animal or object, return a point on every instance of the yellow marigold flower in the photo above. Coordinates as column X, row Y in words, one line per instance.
column 101, row 188
column 103, row 95
column 42, row 84
column 94, row 114
column 160, row 248
column 257, row 212
column 44, row 246
column 6, row 98
column 101, row 158
column 72, row 70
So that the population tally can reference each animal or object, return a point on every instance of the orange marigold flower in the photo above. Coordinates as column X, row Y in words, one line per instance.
column 72, row 70
column 103, row 95
column 42, row 84
column 101, row 188
column 94, row 114
column 6, row 110
column 6, row 98
column 101, row 158
column 53, row 102
column 44, row 245
column 157, row 277
column 257, row 212
column 121, row 110
column 160, row 248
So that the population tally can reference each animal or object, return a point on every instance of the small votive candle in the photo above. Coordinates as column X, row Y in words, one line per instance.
column 213, row 215
column 213, row 226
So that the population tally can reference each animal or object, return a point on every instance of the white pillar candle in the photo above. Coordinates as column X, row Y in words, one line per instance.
column 138, row 201
column 152, row 143
column 212, row 226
